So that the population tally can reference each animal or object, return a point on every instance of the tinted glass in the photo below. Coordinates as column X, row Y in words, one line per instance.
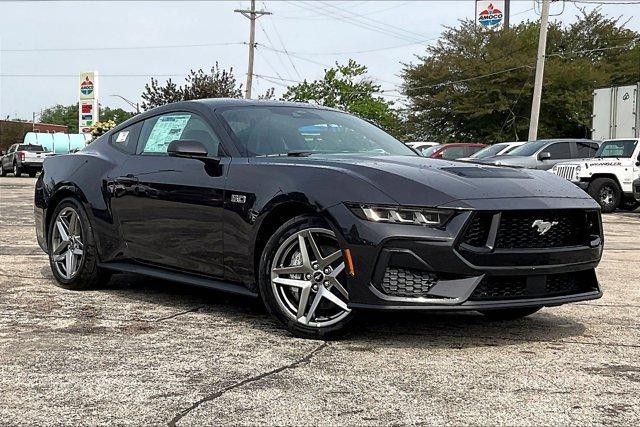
column 528, row 149
column 29, row 147
column 617, row 149
column 489, row 151
column 560, row 150
column 280, row 130
column 127, row 139
column 586, row 149
column 428, row 151
column 453, row 153
column 158, row 132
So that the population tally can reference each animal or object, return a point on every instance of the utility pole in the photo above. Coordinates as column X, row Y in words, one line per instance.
column 252, row 15
column 537, row 89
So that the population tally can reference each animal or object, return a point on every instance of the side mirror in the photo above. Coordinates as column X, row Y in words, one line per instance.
column 545, row 155
column 189, row 148
column 638, row 163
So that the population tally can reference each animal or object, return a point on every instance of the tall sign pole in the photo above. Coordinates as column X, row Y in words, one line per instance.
column 252, row 15
column 88, row 112
column 537, row 89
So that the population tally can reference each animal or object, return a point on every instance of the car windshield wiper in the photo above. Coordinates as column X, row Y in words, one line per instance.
column 299, row 153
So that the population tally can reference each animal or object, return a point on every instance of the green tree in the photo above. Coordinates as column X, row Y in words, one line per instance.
column 348, row 88
column 68, row 115
column 477, row 86
column 218, row 83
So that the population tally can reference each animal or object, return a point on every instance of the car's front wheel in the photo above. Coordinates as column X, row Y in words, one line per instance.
column 72, row 251
column 302, row 279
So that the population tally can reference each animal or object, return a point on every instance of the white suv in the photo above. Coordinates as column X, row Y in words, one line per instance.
column 609, row 176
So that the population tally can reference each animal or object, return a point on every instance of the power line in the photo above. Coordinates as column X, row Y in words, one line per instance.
column 349, row 20
column 275, row 27
column 352, row 5
column 400, row 30
column 80, row 49
column 603, row 2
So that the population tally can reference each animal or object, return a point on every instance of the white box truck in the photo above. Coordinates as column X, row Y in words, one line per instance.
column 616, row 113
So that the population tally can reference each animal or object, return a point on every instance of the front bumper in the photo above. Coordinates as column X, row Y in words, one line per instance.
column 439, row 273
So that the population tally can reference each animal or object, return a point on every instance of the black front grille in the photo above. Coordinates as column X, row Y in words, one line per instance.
column 404, row 282
column 519, row 229
column 528, row 229
column 494, row 288
column 478, row 230
column 497, row 288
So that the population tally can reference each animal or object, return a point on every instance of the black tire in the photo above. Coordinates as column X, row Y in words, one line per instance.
column 505, row 314
column 266, row 291
column 89, row 276
column 607, row 193
column 32, row 174
column 2, row 171
column 17, row 171
column 629, row 205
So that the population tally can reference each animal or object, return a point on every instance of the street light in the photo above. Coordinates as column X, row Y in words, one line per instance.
column 134, row 105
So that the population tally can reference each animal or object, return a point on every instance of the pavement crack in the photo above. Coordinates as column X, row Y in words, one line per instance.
column 172, row 316
column 208, row 398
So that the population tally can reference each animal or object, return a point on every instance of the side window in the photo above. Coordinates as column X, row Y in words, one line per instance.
column 454, row 153
column 586, row 149
column 158, row 132
column 560, row 150
column 127, row 138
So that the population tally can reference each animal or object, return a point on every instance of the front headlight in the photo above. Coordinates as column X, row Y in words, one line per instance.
column 428, row 217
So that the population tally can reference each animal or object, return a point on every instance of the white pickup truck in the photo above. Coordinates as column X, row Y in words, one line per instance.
column 21, row 158
column 609, row 176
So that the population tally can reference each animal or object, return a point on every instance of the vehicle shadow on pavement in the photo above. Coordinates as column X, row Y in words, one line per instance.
column 372, row 329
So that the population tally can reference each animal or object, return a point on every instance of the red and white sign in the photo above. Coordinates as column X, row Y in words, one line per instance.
column 87, row 101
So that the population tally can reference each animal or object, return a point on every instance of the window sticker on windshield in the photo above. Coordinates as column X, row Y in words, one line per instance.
column 122, row 136
column 166, row 129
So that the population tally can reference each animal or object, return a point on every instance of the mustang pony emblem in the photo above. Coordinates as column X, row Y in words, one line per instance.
column 543, row 226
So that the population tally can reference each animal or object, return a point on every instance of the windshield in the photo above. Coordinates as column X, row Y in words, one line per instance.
column 528, row 149
column 428, row 151
column 29, row 147
column 616, row 149
column 489, row 151
column 276, row 130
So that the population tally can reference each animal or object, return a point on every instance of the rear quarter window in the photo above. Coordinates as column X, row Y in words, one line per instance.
column 126, row 139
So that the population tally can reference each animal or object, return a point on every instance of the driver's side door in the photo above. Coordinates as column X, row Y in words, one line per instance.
column 169, row 209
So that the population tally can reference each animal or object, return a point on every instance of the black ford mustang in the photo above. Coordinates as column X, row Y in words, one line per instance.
column 315, row 211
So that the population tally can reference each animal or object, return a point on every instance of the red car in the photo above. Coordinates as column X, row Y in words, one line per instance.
column 456, row 150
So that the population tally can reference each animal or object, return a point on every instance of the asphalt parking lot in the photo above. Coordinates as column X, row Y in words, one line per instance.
column 142, row 351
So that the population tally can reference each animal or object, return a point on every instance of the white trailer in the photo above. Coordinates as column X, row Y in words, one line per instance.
column 616, row 112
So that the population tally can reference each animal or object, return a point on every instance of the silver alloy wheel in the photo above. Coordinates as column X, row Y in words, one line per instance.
column 307, row 277
column 66, row 243
column 606, row 195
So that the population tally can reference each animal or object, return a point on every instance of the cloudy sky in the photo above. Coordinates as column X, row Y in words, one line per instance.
column 44, row 45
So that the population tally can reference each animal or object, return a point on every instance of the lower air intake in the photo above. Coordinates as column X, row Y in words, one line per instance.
column 404, row 282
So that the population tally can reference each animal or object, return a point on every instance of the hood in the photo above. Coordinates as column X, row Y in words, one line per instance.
column 420, row 181
column 521, row 161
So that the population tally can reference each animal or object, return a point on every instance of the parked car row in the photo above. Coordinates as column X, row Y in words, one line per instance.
column 23, row 158
column 609, row 171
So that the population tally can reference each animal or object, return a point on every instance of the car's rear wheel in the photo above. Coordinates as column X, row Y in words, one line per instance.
column 72, row 250
column 3, row 172
column 503, row 314
column 302, row 279
column 606, row 192
column 32, row 174
column 17, row 171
